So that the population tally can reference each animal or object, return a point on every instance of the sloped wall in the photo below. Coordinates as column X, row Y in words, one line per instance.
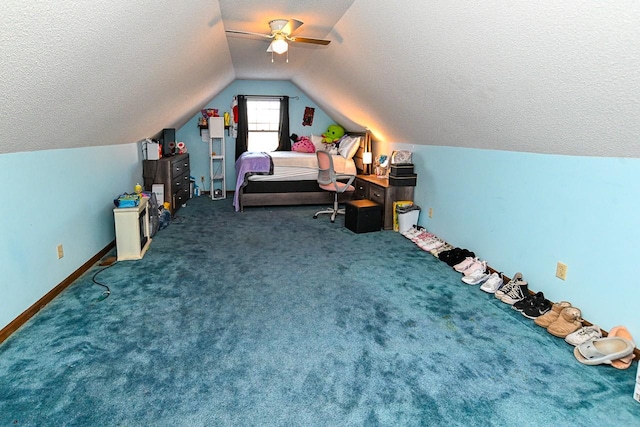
column 545, row 77
column 79, row 74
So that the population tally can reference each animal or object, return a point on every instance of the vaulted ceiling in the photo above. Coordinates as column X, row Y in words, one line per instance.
column 544, row 77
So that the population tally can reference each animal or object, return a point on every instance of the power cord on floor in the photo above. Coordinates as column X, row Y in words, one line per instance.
column 105, row 294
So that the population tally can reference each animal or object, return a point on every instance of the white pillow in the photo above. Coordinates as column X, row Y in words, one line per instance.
column 317, row 142
column 349, row 146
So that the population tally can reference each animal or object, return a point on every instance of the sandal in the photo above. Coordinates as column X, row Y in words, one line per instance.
column 603, row 350
column 623, row 362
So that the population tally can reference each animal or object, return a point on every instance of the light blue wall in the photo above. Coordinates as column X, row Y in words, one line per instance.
column 56, row 197
column 190, row 134
column 519, row 211
column 525, row 212
column 66, row 197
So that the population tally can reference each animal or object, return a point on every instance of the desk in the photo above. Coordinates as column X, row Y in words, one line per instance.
column 377, row 189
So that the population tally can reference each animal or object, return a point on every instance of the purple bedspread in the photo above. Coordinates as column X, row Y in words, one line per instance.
column 250, row 163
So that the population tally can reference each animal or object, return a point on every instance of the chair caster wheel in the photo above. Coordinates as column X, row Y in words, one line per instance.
column 315, row 217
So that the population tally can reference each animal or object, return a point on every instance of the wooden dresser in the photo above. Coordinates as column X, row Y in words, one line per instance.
column 174, row 173
column 378, row 190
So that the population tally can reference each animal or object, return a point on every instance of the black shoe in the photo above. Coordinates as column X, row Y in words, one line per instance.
column 528, row 300
column 538, row 309
column 520, row 305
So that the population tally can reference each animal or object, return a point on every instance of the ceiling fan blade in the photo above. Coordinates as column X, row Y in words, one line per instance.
column 249, row 33
column 270, row 47
column 292, row 26
column 308, row 40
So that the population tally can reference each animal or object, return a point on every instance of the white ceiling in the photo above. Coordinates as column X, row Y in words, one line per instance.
column 249, row 56
column 542, row 77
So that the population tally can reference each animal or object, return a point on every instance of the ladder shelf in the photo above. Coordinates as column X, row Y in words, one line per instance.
column 216, row 159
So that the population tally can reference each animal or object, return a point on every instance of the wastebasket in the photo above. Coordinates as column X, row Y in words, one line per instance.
column 407, row 217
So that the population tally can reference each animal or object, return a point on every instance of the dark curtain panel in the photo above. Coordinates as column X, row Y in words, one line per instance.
column 284, row 140
column 243, row 128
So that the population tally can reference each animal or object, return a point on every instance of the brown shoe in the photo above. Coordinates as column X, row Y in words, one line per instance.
column 552, row 315
column 569, row 321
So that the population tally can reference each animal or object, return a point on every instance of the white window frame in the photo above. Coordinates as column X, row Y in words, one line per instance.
column 263, row 124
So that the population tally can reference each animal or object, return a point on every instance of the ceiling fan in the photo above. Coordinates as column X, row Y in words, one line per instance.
column 281, row 35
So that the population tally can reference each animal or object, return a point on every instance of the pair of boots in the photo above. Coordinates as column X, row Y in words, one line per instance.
column 561, row 320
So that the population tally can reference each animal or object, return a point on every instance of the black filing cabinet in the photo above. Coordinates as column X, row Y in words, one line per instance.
column 363, row 216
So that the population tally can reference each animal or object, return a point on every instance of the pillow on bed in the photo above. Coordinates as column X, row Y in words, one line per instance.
column 303, row 145
column 317, row 142
column 349, row 146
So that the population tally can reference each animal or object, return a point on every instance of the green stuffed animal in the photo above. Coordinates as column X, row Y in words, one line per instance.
column 333, row 134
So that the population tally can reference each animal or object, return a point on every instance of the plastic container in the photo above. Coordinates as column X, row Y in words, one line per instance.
column 407, row 217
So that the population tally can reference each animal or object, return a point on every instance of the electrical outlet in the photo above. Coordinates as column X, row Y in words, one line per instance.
column 561, row 271
column 60, row 251
column 430, row 212
column 201, row 178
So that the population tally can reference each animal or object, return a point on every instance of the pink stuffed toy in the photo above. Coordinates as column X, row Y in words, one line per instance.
column 303, row 145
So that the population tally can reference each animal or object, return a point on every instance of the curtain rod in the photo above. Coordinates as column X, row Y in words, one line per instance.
column 270, row 96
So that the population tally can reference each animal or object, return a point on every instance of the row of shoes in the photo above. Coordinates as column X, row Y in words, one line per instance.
column 559, row 319
column 436, row 246
column 475, row 271
column 426, row 241
column 565, row 321
column 590, row 347
column 515, row 292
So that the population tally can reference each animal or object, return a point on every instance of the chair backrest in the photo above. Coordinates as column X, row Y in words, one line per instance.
column 326, row 174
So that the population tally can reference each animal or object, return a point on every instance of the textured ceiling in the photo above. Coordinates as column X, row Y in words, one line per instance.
column 542, row 77
column 77, row 74
column 249, row 56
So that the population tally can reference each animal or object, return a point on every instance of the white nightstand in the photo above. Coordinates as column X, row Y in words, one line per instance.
column 132, row 231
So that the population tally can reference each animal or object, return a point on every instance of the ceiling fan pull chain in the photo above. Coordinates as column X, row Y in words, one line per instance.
column 287, row 56
column 272, row 57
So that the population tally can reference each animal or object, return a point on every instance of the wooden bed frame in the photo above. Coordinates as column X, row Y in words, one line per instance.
column 282, row 193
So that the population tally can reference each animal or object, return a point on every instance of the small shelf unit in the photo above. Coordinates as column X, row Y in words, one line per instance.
column 133, row 233
column 217, row 181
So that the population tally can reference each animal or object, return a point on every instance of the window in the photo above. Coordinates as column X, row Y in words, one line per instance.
column 263, row 117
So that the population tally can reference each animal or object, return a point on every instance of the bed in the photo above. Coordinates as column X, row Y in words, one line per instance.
column 290, row 177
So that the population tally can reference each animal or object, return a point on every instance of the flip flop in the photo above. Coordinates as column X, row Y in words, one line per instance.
column 603, row 350
column 623, row 332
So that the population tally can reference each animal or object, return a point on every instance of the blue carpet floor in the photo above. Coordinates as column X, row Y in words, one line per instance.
column 272, row 318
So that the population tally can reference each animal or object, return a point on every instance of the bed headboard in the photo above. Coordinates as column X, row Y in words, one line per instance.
column 365, row 145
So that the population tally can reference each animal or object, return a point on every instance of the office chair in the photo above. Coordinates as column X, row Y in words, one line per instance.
column 328, row 180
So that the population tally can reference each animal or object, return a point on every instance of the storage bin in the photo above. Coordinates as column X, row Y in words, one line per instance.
column 363, row 216
column 403, row 181
column 401, row 170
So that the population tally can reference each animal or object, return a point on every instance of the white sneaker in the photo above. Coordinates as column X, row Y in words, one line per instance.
column 478, row 265
column 493, row 283
column 422, row 235
column 584, row 334
column 517, row 278
column 413, row 231
column 476, row 277
column 430, row 245
column 463, row 265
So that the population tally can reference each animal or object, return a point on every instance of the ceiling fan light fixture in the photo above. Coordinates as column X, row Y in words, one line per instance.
column 279, row 45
